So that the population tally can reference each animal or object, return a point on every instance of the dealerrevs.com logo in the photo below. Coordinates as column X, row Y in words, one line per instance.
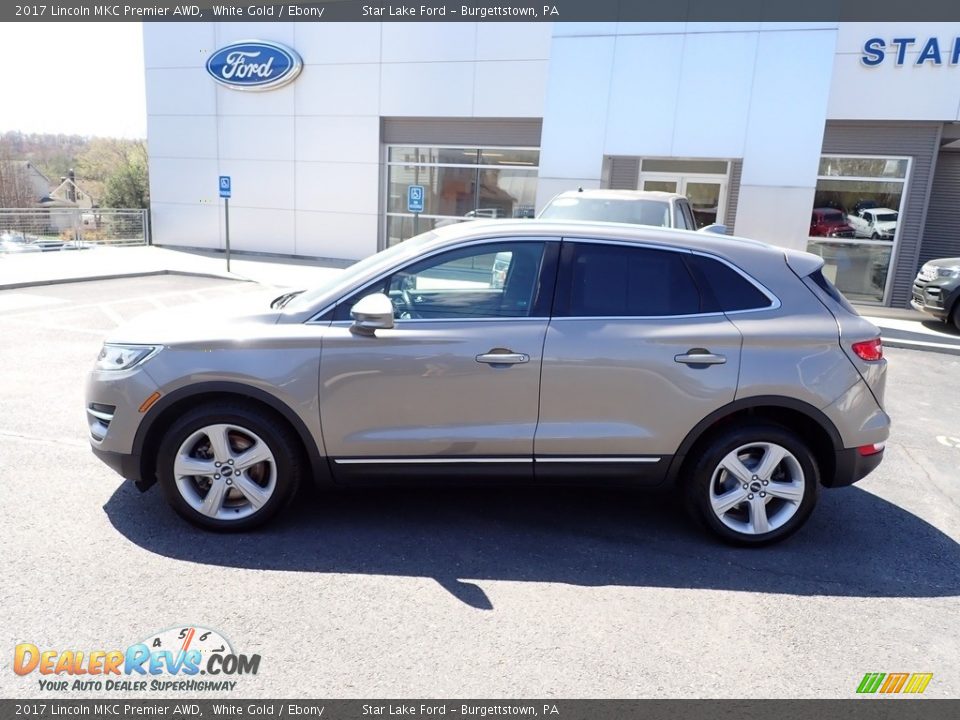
column 187, row 659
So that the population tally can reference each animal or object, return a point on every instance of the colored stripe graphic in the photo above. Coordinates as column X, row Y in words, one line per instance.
column 894, row 683
column 870, row 682
column 918, row 682
column 913, row 683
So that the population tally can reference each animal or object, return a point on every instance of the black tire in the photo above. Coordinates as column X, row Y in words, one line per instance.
column 280, row 474
column 704, row 472
column 955, row 315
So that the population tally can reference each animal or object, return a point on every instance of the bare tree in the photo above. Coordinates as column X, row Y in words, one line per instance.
column 16, row 190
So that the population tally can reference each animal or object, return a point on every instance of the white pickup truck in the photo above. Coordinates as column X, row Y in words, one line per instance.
column 874, row 223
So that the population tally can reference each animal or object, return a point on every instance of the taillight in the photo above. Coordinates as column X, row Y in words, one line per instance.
column 871, row 449
column 869, row 349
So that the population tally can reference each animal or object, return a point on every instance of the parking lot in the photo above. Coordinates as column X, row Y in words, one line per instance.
column 459, row 593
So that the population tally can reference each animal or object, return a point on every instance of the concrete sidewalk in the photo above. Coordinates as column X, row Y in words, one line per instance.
column 19, row 270
column 899, row 327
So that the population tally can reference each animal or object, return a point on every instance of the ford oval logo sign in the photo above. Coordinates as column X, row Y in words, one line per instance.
column 254, row 65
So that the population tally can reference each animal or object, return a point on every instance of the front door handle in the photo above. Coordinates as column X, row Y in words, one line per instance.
column 699, row 356
column 503, row 358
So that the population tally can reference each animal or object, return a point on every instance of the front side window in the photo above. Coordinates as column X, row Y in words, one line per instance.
column 604, row 280
column 495, row 280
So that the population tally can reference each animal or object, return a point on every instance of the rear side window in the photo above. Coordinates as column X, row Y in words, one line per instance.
column 598, row 280
column 830, row 290
column 726, row 289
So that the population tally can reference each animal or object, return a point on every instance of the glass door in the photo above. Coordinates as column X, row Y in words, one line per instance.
column 707, row 195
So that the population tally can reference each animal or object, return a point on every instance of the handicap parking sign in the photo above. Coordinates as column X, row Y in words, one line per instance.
column 415, row 198
column 224, row 186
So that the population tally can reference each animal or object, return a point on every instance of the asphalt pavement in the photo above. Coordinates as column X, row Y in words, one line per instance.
column 459, row 593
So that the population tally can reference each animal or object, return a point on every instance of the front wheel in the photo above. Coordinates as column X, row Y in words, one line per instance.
column 955, row 315
column 228, row 467
column 753, row 485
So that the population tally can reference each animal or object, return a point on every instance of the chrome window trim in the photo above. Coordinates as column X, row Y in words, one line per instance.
column 605, row 459
column 402, row 321
column 427, row 461
column 488, row 460
column 315, row 318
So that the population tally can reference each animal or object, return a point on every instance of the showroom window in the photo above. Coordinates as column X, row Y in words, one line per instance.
column 855, row 221
column 460, row 183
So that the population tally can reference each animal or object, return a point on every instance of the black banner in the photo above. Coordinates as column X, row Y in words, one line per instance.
column 485, row 10
column 874, row 708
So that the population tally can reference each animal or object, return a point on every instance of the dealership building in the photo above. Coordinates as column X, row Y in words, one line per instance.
column 839, row 138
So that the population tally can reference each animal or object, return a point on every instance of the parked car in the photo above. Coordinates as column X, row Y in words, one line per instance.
column 729, row 369
column 936, row 290
column 634, row 207
column 827, row 222
column 14, row 242
column 874, row 223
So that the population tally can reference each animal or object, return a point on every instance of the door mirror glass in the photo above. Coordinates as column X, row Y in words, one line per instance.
column 372, row 313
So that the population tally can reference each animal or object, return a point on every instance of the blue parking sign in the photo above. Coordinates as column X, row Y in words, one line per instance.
column 415, row 198
column 224, row 186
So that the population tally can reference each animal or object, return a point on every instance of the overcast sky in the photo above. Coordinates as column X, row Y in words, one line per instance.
column 81, row 78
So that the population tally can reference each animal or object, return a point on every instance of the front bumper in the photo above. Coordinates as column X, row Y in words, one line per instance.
column 852, row 467
column 124, row 464
column 935, row 297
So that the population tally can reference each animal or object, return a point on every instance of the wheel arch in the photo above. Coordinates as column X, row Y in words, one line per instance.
column 159, row 418
column 812, row 424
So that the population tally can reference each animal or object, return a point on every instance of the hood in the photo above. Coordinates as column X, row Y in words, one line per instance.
column 212, row 322
column 944, row 262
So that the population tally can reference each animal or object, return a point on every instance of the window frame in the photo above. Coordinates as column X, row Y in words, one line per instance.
column 893, row 244
column 540, row 308
column 386, row 213
column 563, row 292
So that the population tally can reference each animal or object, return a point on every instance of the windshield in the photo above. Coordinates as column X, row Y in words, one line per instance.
column 887, row 217
column 358, row 269
column 834, row 217
column 633, row 212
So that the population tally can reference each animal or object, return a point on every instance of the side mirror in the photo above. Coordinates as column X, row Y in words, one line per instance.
column 372, row 313
column 716, row 228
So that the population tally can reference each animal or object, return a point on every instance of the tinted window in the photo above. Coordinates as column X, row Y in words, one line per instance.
column 725, row 288
column 688, row 214
column 617, row 281
column 486, row 281
column 831, row 291
column 680, row 218
column 633, row 212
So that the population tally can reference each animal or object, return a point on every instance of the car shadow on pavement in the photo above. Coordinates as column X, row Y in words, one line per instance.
column 941, row 328
column 854, row 545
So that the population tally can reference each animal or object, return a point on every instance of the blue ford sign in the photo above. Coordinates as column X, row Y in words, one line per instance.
column 254, row 65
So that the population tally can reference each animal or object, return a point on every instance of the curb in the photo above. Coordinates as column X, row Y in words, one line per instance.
column 120, row 276
column 923, row 346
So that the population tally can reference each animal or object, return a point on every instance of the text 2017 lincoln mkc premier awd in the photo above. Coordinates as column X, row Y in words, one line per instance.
column 527, row 351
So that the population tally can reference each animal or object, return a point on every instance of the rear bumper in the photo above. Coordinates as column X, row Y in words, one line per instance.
column 851, row 467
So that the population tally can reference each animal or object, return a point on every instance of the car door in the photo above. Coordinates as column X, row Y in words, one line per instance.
column 455, row 384
column 635, row 356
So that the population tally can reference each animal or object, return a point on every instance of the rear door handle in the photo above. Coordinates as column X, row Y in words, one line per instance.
column 512, row 358
column 698, row 356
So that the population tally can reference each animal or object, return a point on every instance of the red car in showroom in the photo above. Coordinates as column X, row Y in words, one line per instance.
column 830, row 222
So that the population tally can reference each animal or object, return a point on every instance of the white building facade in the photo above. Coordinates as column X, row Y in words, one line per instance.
column 837, row 138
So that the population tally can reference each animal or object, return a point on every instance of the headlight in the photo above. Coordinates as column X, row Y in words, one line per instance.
column 948, row 272
column 124, row 357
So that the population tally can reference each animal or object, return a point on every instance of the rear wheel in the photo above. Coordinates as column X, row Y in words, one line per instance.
column 228, row 467
column 753, row 485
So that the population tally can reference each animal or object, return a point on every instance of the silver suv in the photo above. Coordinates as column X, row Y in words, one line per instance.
column 604, row 353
